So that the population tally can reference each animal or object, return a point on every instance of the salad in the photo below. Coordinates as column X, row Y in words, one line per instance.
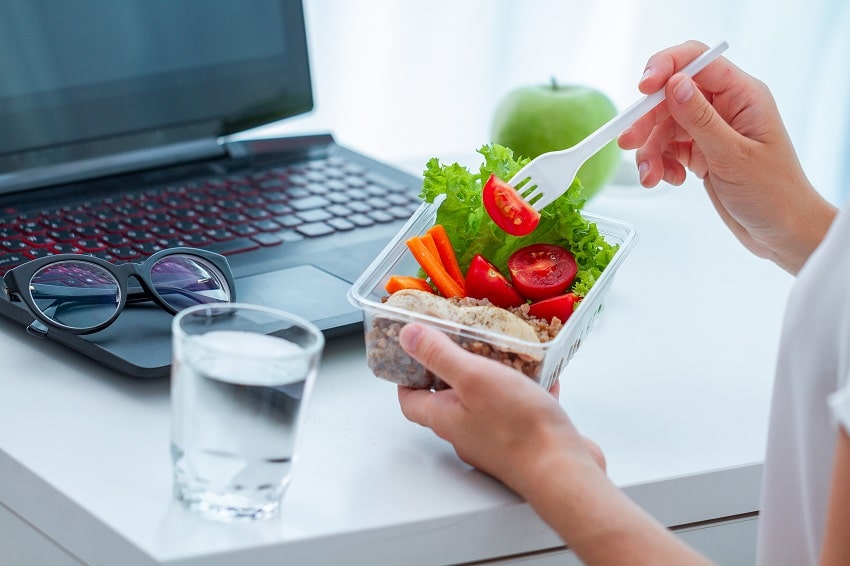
column 545, row 270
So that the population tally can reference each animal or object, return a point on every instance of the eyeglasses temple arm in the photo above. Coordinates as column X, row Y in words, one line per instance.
column 37, row 328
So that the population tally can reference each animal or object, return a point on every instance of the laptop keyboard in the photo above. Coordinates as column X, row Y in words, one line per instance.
column 229, row 215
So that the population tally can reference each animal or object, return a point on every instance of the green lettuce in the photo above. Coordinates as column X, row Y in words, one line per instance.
column 472, row 231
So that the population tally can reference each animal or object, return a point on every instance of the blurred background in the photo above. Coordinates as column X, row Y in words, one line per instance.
column 405, row 80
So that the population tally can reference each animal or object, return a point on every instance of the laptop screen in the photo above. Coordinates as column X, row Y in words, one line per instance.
column 84, row 78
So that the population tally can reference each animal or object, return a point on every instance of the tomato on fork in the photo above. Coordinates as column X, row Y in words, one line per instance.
column 508, row 209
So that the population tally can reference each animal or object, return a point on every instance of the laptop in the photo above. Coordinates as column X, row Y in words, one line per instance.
column 120, row 125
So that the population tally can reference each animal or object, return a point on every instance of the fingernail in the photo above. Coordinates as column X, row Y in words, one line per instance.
column 643, row 170
column 409, row 337
column 684, row 90
column 646, row 74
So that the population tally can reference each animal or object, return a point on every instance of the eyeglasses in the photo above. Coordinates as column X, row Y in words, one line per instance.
column 83, row 294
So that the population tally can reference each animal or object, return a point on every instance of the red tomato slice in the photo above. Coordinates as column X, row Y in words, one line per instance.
column 540, row 271
column 483, row 281
column 508, row 209
column 560, row 307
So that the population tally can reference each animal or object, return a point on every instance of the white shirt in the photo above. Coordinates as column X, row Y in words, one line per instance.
column 813, row 363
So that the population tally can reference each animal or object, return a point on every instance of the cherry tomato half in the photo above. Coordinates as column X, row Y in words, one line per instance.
column 540, row 271
column 484, row 281
column 560, row 307
column 508, row 209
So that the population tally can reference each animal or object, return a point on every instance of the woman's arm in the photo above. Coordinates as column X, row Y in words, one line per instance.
column 504, row 424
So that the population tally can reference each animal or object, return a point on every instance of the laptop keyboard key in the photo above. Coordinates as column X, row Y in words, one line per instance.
column 196, row 240
column 288, row 221
column 359, row 206
column 91, row 245
column 219, row 234
column 149, row 248
column 125, row 253
column 243, row 230
column 357, row 194
column 266, row 225
column 257, row 213
column 8, row 261
column 114, row 240
column 39, row 241
column 361, row 220
column 381, row 216
column 33, row 227
column 89, row 231
column 315, row 229
column 396, row 198
column 233, row 246
column 13, row 245
column 67, row 248
column 355, row 182
column 36, row 253
column 163, row 231
column 63, row 235
column 338, row 198
column 339, row 210
column 308, row 203
column 139, row 236
column 314, row 215
column 187, row 226
column 401, row 212
column 290, row 236
column 340, row 224
column 266, row 239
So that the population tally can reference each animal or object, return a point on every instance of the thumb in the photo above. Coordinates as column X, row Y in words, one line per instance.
column 435, row 351
column 461, row 369
column 695, row 114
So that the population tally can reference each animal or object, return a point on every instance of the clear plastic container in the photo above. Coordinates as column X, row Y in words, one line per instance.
column 542, row 362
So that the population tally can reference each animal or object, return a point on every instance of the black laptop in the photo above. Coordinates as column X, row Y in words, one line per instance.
column 117, row 122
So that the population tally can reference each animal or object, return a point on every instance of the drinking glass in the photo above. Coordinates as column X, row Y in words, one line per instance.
column 240, row 383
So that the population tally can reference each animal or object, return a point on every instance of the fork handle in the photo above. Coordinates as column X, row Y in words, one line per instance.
column 618, row 124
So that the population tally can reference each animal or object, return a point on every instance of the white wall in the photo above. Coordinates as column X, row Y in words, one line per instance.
column 408, row 79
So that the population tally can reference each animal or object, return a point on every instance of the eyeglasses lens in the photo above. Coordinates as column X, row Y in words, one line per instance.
column 183, row 281
column 75, row 294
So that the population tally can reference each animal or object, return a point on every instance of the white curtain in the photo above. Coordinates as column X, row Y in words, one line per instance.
column 404, row 80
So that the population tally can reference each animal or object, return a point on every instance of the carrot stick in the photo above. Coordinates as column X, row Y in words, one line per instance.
column 434, row 268
column 447, row 253
column 431, row 243
column 399, row 282
column 432, row 246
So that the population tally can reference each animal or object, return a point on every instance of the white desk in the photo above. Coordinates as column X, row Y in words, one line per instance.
column 674, row 383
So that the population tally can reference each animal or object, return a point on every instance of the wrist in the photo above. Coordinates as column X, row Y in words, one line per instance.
column 805, row 228
column 570, row 491
column 560, row 475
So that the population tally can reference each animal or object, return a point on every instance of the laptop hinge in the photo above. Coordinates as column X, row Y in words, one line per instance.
column 133, row 160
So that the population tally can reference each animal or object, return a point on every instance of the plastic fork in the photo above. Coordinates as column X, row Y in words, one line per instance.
column 544, row 176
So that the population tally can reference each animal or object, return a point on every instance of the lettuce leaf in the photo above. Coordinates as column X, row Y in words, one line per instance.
column 472, row 232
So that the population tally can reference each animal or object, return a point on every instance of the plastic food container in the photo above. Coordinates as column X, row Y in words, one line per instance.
column 542, row 362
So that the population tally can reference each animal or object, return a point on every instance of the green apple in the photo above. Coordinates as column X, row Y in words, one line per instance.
column 535, row 119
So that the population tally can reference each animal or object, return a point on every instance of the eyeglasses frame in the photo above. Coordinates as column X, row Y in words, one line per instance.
column 20, row 277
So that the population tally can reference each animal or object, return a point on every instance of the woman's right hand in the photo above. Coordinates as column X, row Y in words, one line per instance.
column 725, row 127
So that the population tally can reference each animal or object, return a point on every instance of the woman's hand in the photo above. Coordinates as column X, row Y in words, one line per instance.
column 497, row 419
column 725, row 127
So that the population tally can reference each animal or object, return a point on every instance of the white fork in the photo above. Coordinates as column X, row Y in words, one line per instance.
column 549, row 175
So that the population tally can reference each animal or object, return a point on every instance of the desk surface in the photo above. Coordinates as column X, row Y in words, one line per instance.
column 673, row 382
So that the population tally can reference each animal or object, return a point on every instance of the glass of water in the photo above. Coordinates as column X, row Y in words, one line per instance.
column 240, row 382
